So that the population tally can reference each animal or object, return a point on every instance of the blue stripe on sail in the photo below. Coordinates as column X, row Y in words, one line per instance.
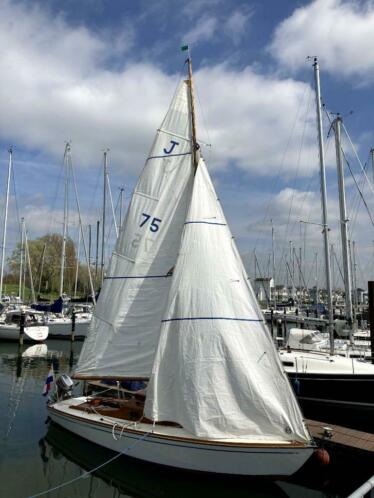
column 205, row 223
column 212, row 318
column 137, row 276
column 169, row 155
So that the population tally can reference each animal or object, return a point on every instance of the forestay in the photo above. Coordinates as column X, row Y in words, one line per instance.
column 216, row 371
column 125, row 328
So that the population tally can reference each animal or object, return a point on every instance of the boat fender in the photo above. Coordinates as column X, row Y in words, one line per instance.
column 322, row 456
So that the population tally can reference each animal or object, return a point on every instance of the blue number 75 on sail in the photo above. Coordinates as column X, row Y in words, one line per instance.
column 154, row 224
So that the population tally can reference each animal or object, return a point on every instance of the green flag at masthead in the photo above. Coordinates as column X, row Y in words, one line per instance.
column 184, row 48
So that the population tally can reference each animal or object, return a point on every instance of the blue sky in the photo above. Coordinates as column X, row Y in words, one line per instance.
column 101, row 74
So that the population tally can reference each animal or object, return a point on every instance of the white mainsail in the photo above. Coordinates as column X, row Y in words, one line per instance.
column 216, row 371
column 125, row 328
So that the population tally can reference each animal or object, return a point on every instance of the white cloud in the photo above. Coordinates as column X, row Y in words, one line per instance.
column 204, row 30
column 339, row 32
column 236, row 24
column 260, row 122
column 194, row 8
column 68, row 93
column 57, row 85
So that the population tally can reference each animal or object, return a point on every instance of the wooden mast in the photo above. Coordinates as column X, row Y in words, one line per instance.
column 195, row 145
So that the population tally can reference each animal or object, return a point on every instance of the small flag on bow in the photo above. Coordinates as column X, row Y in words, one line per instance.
column 48, row 382
column 184, row 48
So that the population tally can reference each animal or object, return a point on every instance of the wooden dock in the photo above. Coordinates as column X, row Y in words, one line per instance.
column 341, row 437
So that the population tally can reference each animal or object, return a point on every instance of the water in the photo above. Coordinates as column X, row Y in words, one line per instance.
column 37, row 456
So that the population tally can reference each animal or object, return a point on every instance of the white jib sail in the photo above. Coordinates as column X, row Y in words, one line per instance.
column 126, row 325
column 216, row 370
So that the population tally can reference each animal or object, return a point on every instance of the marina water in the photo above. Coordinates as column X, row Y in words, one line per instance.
column 36, row 456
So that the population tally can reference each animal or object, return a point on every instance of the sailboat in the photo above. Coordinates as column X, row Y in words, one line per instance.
column 342, row 388
column 178, row 312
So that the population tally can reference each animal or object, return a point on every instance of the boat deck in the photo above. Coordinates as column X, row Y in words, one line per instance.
column 99, row 411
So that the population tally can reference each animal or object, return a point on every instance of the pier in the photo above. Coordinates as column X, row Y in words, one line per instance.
column 336, row 438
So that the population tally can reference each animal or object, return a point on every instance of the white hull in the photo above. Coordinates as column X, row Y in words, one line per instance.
column 10, row 332
column 62, row 328
column 173, row 447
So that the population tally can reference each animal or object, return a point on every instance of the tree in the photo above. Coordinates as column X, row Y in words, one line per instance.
column 50, row 263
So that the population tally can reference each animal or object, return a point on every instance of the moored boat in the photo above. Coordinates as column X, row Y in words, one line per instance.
column 336, row 389
column 178, row 312
column 33, row 331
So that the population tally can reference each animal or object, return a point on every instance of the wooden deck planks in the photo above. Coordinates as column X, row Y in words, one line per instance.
column 342, row 436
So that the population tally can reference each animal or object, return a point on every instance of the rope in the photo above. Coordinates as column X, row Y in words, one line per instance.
column 87, row 473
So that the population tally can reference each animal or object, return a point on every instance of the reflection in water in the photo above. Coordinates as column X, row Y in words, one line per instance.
column 24, row 364
column 135, row 478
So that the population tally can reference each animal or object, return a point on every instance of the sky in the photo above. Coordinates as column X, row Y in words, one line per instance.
column 101, row 73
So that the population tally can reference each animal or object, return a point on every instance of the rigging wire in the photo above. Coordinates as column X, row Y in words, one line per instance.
column 88, row 472
column 360, row 187
column 290, row 228
column 358, row 159
column 359, row 190
column 350, row 169
column 277, row 176
column 356, row 201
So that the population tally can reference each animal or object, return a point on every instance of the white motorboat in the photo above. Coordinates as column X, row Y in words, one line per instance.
column 34, row 329
column 313, row 340
column 60, row 327
column 337, row 388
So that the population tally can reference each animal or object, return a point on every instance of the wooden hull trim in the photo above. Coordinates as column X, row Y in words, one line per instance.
column 77, row 376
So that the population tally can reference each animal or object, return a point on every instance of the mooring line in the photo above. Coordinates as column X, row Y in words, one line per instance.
column 85, row 474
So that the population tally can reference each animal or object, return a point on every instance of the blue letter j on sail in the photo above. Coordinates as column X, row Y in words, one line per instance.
column 173, row 144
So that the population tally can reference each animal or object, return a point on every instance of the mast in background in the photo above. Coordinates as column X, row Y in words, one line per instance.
column 77, row 264
column 28, row 262
column 317, row 289
column 343, row 225
column 325, row 229
column 41, row 267
column 354, row 275
column 21, row 258
column 273, row 264
column 5, row 222
column 89, row 245
column 97, row 249
column 332, row 267
column 104, row 213
column 121, row 196
column 64, row 230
